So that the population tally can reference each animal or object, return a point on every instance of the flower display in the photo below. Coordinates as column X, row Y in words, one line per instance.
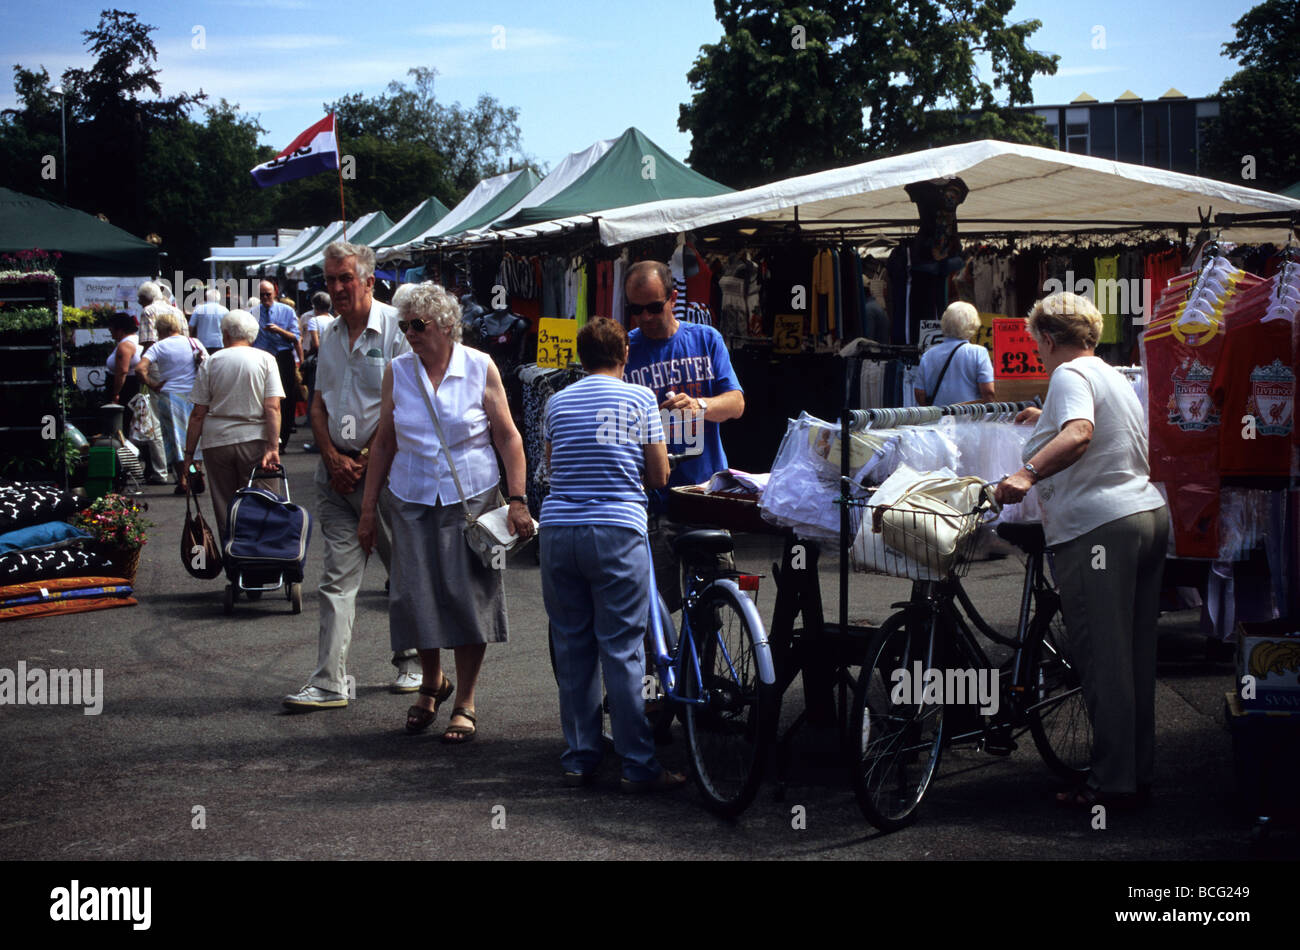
column 116, row 521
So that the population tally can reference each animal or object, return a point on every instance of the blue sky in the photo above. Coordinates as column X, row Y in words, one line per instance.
column 578, row 70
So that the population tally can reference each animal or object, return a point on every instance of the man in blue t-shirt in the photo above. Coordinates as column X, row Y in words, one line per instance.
column 688, row 368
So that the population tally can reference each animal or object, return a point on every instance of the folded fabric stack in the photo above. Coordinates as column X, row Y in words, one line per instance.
column 44, row 567
column 69, row 595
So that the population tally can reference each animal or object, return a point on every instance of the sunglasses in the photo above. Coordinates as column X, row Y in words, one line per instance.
column 417, row 325
column 634, row 309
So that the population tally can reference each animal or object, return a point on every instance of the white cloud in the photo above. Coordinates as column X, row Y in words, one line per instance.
column 514, row 37
column 1065, row 72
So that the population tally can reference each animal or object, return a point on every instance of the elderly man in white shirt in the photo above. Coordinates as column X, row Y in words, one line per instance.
column 354, row 352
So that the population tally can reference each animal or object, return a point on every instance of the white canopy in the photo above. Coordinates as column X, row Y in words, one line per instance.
column 292, row 249
column 1012, row 188
column 574, row 165
column 480, row 195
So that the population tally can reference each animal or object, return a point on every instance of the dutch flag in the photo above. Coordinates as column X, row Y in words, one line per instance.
column 315, row 150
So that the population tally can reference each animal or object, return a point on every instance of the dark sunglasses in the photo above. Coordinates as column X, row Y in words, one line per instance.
column 634, row 309
column 417, row 325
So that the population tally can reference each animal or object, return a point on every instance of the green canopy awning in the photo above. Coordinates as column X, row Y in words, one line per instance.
column 418, row 220
column 90, row 247
column 633, row 171
column 364, row 231
column 503, row 200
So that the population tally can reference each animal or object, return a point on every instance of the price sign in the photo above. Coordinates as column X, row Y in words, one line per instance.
column 930, row 334
column 1015, row 354
column 787, row 334
column 556, row 342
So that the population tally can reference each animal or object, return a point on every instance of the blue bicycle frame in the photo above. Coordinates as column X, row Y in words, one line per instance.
column 668, row 665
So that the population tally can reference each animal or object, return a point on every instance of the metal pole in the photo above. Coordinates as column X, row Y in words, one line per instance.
column 63, row 135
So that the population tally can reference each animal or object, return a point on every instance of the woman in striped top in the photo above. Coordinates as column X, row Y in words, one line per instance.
column 604, row 443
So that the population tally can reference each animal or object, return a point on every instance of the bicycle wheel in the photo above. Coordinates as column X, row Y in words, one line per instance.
column 1058, row 718
column 898, row 743
column 728, row 735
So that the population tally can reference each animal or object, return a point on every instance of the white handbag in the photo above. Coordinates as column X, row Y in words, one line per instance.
column 488, row 535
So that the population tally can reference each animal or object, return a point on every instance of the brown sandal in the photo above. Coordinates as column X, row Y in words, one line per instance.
column 459, row 735
column 418, row 718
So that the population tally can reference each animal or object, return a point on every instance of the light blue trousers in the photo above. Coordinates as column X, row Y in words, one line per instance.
column 595, row 583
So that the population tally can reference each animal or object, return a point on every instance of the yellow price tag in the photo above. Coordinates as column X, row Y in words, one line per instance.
column 787, row 334
column 557, row 342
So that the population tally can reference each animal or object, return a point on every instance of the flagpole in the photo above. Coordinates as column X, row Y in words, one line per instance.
column 343, row 214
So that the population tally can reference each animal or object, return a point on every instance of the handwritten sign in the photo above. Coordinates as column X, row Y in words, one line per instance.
column 787, row 334
column 1015, row 354
column 930, row 334
column 557, row 342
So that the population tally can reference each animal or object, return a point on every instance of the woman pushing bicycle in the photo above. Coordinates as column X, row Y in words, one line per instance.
column 1107, row 527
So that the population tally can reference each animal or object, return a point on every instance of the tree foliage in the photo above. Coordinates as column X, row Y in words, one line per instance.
column 1260, row 103
column 179, row 167
column 796, row 86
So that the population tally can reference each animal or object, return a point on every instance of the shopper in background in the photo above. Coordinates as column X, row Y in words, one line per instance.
column 1107, row 527
column 279, row 337
column 236, row 399
column 956, row 370
column 317, row 323
column 205, row 321
column 168, row 369
column 123, row 385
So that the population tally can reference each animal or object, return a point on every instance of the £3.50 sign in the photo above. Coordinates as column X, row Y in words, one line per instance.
column 557, row 342
column 1015, row 354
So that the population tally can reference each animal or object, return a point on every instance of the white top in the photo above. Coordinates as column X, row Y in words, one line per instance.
column 1112, row 479
column 233, row 383
column 320, row 325
column 172, row 362
column 350, row 377
column 420, row 473
column 111, row 362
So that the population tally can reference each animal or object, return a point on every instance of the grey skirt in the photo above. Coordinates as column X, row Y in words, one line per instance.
column 441, row 595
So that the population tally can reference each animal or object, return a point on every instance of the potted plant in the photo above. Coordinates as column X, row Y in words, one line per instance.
column 118, row 529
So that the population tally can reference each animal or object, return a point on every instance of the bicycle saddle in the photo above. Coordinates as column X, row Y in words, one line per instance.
column 702, row 541
column 1028, row 537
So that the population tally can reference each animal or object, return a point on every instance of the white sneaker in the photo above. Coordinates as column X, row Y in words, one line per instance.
column 313, row 697
column 407, row 682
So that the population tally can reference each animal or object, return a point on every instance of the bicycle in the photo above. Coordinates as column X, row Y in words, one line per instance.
column 900, row 740
column 717, row 676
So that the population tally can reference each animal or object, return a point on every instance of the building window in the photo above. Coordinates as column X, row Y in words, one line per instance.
column 1051, row 117
column 1076, row 132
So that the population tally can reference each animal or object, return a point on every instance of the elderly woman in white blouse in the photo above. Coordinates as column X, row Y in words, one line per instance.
column 168, row 368
column 442, row 597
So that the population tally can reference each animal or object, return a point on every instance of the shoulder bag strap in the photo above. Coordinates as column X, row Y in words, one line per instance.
column 943, row 372
column 437, row 426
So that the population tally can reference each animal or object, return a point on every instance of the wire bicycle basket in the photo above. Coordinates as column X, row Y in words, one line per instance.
column 898, row 541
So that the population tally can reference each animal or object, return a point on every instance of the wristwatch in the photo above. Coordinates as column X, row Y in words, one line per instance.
column 519, row 498
column 364, row 452
column 1033, row 471
column 704, row 405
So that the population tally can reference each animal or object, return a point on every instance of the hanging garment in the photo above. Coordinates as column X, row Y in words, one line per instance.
column 580, row 308
column 1105, row 297
column 823, row 293
column 604, row 289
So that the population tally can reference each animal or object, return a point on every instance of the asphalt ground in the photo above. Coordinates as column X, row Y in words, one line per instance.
column 192, row 726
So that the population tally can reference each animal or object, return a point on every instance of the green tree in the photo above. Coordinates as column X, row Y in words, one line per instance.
column 1259, row 112
column 467, row 144
column 795, row 87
